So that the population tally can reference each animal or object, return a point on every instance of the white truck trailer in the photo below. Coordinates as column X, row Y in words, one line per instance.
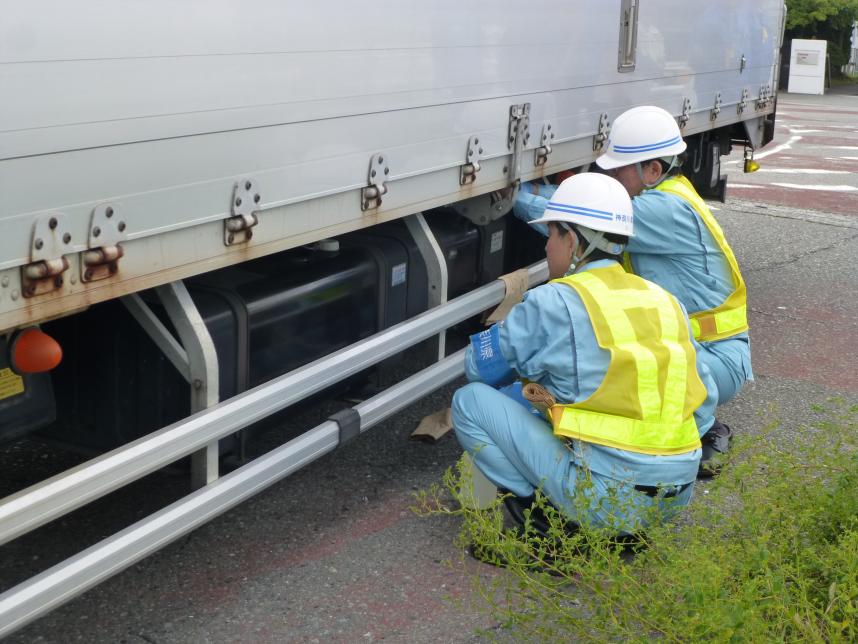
column 154, row 154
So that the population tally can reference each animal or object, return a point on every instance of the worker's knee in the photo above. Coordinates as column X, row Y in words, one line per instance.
column 465, row 401
column 467, row 410
column 729, row 383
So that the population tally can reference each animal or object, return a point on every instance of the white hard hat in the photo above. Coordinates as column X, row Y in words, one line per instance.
column 595, row 201
column 641, row 134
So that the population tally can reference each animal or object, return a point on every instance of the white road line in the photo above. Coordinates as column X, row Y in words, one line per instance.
column 779, row 148
column 826, row 188
column 745, row 185
column 818, row 107
column 842, row 147
column 803, row 171
column 796, row 131
column 841, row 158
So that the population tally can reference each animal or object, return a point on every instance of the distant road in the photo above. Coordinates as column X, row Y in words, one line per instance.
column 812, row 162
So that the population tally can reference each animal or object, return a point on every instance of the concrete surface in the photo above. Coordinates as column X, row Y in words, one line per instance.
column 334, row 553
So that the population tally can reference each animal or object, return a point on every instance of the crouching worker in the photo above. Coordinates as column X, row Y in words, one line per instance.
column 614, row 353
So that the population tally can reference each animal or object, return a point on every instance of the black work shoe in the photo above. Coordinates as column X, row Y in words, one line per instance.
column 539, row 522
column 531, row 559
column 487, row 555
column 715, row 442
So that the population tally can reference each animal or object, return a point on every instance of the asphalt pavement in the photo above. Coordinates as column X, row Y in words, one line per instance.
column 335, row 554
column 812, row 162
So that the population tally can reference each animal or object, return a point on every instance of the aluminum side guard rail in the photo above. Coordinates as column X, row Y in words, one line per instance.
column 65, row 492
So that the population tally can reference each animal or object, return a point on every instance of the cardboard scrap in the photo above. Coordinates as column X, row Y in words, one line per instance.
column 433, row 426
column 516, row 285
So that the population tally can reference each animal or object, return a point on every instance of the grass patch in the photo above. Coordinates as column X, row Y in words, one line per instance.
column 769, row 553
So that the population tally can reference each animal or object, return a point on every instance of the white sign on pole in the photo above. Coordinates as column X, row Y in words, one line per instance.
column 807, row 67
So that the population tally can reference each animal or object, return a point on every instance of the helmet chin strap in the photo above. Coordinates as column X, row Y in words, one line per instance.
column 661, row 178
column 595, row 239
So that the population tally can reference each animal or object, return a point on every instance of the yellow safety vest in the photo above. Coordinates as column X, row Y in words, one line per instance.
column 731, row 316
column 651, row 389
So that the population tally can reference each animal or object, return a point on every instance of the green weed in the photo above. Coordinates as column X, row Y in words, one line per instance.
column 768, row 553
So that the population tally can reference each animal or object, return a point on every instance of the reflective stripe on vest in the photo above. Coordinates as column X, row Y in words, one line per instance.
column 651, row 389
column 731, row 316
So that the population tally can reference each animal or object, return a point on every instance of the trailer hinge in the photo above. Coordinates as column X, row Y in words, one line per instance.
column 50, row 241
column 370, row 196
column 716, row 110
column 238, row 228
column 686, row 113
column 468, row 170
column 544, row 150
column 743, row 101
column 602, row 132
column 765, row 97
column 518, row 136
column 106, row 232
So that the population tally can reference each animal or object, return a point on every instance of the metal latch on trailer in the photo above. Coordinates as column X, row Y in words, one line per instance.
column 686, row 113
column 628, row 36
column 743, row 101
column 473, row 154
column 544, row 150
column 50, row 241
column 106, row 232
column 370, row 196
column 518, row 136
column 601, row 132
column 245, row 204
column 765, row 97
column 716, row 110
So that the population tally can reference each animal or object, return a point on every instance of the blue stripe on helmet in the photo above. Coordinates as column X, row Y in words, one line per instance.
column 581, row 208
column 631, row 149
column 576, row 210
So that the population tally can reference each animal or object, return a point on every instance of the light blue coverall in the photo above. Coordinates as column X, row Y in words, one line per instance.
column 673, row 248
column 549, row 339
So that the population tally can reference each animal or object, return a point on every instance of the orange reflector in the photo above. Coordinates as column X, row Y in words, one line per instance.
column 34, row 352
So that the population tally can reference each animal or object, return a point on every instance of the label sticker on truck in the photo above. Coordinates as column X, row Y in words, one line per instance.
column 398, row 274
column 11, row 384
column 497, row 242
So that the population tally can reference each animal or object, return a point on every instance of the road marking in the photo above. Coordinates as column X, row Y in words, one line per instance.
column 824, row 109
column 827, row 188
column 774, row 150
column 803, row 171
column 746, row 185
column 795, row 131
column 842, row 147
column 841, row 158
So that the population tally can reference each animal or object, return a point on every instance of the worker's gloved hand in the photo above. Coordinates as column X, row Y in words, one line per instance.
column 539, row 397
column 505, row 194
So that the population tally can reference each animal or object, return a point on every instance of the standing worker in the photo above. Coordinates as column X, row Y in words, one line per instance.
column 679, row 245
column 613, row 353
